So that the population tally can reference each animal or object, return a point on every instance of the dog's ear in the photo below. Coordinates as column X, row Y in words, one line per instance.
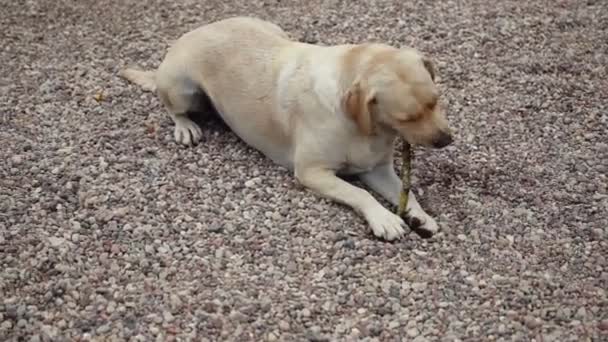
column 429, row 66
column 357, row 103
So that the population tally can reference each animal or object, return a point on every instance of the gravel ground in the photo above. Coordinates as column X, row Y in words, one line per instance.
column 110, row 230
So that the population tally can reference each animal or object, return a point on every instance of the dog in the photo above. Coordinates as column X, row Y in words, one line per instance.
column 322, row 112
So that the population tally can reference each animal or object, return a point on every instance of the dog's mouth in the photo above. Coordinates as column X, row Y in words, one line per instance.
column 439, row 141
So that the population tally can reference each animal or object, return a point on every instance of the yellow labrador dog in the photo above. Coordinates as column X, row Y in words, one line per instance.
column 320, row 111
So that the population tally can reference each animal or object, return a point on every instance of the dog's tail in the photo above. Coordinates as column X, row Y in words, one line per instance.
column 143, row 78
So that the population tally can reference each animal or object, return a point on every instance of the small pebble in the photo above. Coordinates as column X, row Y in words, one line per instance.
column 412, row 332
column 284, row 325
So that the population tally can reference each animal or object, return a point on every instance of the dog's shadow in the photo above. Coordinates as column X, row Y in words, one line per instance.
column 206, row 116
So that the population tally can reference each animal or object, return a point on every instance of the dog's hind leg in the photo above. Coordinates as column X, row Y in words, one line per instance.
column 182, row 98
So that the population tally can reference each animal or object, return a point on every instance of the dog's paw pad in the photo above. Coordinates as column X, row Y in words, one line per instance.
column 414, row 222
column 425, row 228
column 425, row 234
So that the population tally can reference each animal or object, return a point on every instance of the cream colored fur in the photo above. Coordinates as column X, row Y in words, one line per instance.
column 317, row 110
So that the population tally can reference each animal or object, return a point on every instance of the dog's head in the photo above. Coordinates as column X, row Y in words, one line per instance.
column 394, row 89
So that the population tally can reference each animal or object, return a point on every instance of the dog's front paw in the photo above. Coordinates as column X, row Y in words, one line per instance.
column 421, row 223
column 187, row 132
column 385, row 224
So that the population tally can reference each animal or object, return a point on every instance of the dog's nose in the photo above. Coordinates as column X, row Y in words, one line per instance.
column 442, row 140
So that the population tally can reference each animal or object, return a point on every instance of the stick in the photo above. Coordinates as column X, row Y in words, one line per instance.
column 406, row 170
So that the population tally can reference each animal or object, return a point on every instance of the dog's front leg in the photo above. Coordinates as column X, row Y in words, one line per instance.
column 383, row 180
column 383, row 222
